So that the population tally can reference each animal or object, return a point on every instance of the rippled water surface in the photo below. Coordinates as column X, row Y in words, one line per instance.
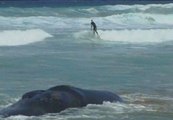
column 43, row 47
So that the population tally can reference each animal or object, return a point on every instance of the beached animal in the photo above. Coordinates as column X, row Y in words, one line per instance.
column 57, row 99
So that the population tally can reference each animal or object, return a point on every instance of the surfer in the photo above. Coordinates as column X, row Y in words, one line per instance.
column 94, row 27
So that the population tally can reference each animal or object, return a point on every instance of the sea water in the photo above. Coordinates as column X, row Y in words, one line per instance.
column 41, row 47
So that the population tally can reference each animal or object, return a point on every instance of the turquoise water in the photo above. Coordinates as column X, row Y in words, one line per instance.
column 44, row 47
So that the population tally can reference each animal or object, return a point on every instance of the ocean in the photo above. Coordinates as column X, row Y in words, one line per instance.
column 41, row 47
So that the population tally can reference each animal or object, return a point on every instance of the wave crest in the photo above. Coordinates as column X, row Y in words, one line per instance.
column 22, row 37
column 130, row 36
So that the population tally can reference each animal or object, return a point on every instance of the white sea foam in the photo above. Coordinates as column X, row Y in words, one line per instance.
column 140, row 18
column 92, row 10
column 111, row 21
column 149, row 36
column 137, row 36
column 118, row 108
column 22, row 37
column 137, row 6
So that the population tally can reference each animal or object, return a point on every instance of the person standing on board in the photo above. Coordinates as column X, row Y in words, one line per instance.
column 94, row 27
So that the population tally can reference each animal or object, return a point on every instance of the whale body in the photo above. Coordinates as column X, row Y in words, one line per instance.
column 57, row 99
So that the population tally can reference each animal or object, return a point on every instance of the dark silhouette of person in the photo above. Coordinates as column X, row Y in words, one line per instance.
column 94, row 27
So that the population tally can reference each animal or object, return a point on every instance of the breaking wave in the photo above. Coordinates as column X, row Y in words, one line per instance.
column 22, row 37
column 130, row 36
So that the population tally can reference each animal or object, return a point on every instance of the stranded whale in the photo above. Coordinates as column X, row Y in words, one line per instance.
column 56, row 99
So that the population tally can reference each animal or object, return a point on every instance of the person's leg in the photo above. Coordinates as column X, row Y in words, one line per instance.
column 95, row 29
column 96, row 32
